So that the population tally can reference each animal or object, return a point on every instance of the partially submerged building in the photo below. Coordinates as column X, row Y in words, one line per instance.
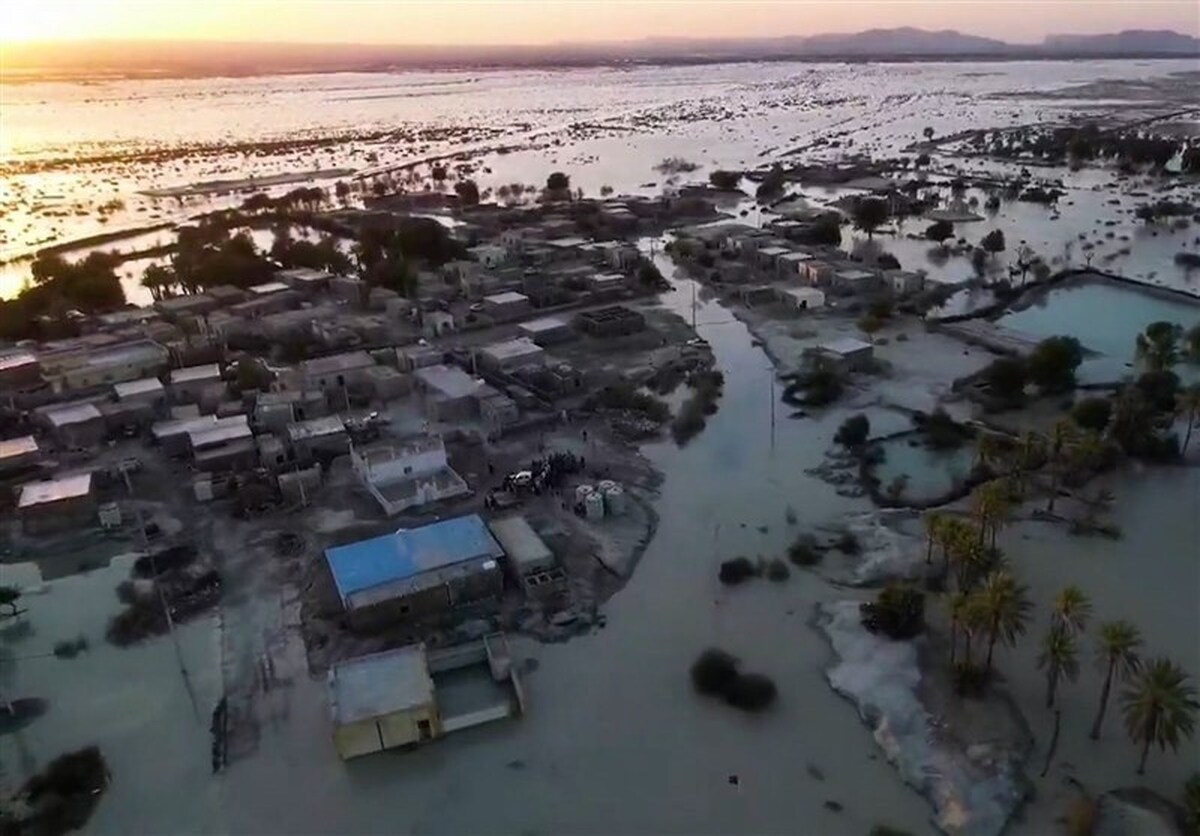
column 409, row 695
column 417, row 573
column 847, row 354
column 408, row 474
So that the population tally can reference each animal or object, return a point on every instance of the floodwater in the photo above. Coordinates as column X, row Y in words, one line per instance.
column 604, row 127
column 1105, row 318
column 926, row 474
column 614, row 740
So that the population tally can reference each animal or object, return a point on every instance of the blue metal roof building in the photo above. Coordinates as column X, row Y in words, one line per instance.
column 412, row 560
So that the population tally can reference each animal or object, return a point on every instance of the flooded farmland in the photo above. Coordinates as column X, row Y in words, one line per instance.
column 615, row 739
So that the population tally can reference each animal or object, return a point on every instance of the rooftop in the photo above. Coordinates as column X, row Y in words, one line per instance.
column 775, row 251
column 566, row 242
column 191, row 374
column 409, row 552
column 520, row 542
column 379, row 684
column 145, row 386
column 549, row 323
column 131, row 352
column 303, row 275
column 178, row 426
column 233, row 428
column 510, row 297
column 184, row 303
column 65, row 487
column 448, row 381
column 855, row 275
column 510, row 349
column 267, row 288
column 73, row 415
column 316, row 428
column 16, row 360
column 796, row 257
column 335, row 363
column 13, row 447
column 844, row 346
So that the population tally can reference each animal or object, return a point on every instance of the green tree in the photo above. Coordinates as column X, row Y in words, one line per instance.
column 1092, row 413
column 468, row 192
column 1053, row 362
column 1158, row 345
column 1005, row 606
column 1062, row 438
column 853, row 432
column 725, row 180
column 939, row 231
column 1117, row 655
column 1006, row 378
column 1191, row 788
column 869, row 213
column 9, row 595
column 160, row 281
column 993, row 242
column 1059, row 658
column 558, row 182
column 1159, row 707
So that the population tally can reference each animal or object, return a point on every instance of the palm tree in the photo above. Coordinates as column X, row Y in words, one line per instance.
column 1030, row 453
column 1071, row 611
column 952, row 532
column 1059, row 658
column 1061, row 439
column 1118, row 655
column 9, row 595
column 969, row 558
column 1187, row 403
column 1005, row 606
column 1158, row 345
column 958, row 603
column 990, row 505
column 1159, row 707
column 933, row 521
column 989, row 449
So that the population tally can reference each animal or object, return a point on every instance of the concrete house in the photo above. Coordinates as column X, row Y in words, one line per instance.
column 318, row 437
column 275, row 410
column 802, row 298
column 87, row 366
column 527, row 558
column 510, row 354
column 17, row 454
column 336, row 371
column 490, row 256
column 613, row 321
column 148, row 390
column 80, row 425
column 904, row 282
column 410, row 695
column 417, row 573
column 19, row 370
column 304, row 279
column 189, row 383
column 448, row 393
column 792, row 265
column 55, row 503
column 549, row 330
column 508, row 305
column 408, row 474
column 847, row 354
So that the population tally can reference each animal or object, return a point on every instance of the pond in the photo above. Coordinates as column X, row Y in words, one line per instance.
column 1105, row 317
column 929, row 474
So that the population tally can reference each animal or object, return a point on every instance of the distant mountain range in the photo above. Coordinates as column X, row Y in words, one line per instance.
column 195, row 58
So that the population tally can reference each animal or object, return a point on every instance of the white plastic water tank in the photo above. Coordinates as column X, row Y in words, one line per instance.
column 583, row 492
column 614, row 499
column 593, row 506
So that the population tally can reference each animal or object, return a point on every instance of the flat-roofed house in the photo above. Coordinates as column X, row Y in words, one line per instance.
column 79, row 425
column 417, row 573
column 50, row 504
column 407, row 474
column 17, row 454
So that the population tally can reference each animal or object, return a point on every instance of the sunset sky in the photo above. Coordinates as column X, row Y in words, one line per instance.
column 549, row 21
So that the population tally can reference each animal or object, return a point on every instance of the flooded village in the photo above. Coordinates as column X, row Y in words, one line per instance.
column 845, row 486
